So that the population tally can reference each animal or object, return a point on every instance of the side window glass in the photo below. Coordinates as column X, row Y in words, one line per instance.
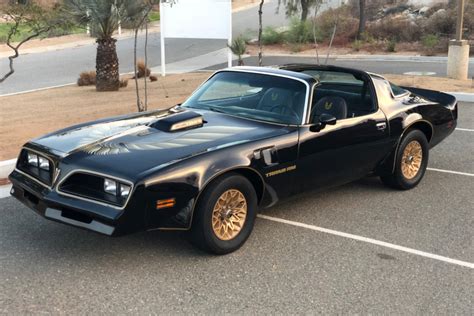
column 341, row 94
column 397, row 91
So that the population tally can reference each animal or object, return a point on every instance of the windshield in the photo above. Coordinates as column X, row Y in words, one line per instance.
column 256, row 96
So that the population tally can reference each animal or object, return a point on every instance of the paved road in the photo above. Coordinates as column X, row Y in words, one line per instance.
column 377, row 66
column 63, row 66
column 47, row 267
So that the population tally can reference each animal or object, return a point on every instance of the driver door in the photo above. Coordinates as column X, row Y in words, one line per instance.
column 343, row 152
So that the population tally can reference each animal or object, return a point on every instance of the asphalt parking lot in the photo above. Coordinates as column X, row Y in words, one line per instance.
column 284, row 268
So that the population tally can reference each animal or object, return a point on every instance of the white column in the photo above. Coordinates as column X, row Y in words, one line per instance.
column 229, row 41
column 162, row 39
column 458, row 59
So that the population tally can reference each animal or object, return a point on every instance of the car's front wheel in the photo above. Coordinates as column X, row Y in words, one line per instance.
column 411, row 161
column 224, row 215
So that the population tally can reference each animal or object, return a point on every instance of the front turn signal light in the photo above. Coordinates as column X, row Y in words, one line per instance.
column 161, row 204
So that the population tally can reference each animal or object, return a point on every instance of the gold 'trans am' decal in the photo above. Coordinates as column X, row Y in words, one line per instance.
column 280, row 171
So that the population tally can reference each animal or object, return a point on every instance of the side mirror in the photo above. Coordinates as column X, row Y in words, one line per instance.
column 324, row 119
column 327, row 119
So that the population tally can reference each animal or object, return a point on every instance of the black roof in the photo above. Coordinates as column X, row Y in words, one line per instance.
column 275, row 71
column 295, row 70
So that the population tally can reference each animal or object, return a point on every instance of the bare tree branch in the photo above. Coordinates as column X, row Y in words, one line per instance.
column 16, row 48
column 260, row 29
column 38, row 22
column 316, row 9
column 146, row 65
column 140, row 106
column 332, row 36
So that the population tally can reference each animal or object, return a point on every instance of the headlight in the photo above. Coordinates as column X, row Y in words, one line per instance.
column 33, row 159
column 124, row 190
column 43, row 163
column 110, row 186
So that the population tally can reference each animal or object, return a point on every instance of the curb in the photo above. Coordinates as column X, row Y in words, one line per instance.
column 6, row 167
column 412, row 58
column 463, row 96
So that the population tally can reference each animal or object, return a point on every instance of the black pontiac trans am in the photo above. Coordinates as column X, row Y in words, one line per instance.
column 247, row 138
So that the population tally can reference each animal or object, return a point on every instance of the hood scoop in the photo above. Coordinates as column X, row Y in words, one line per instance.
column 178, row 122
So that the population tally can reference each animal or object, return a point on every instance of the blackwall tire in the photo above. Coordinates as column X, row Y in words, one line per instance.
column 224, row 215
column 410, row 163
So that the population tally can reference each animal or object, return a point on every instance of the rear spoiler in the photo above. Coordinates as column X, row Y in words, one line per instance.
column 445, row 99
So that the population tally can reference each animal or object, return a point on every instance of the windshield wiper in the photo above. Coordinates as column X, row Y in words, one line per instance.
column 213, row 109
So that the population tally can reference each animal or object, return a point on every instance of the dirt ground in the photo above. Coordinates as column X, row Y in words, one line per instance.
column 29, row 115
column 238, row 5
column 434, row 83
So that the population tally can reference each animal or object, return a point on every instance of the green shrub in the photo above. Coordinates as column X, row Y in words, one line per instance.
column 154, row 16
column 295, row 47
column 238, row 48
column 357, row 45
column 396, row 29
column 430, row 40
column 346, row 27
column 391, row 46
column 271, row 36
column 300, row 32
column 442, row 23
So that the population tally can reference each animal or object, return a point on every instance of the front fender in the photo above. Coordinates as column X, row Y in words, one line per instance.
column 185, row 180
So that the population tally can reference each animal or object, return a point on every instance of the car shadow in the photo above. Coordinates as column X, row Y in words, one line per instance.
column 56, row 240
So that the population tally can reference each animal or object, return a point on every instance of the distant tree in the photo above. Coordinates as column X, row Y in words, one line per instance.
column 292, row 7
column 362, row 19
column 33, row 22
column 104, row 17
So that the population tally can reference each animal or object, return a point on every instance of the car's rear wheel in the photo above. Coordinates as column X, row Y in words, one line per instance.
column 224, row 215
column 411, row 162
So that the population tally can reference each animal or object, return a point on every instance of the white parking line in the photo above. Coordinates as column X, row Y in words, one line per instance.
column 452, row 172
column 370, row 240
column 465, row 129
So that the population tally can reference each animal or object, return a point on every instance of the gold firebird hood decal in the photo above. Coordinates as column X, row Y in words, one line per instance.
column 116, row 145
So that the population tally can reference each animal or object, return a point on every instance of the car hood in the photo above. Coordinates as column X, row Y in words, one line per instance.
column 128, row 146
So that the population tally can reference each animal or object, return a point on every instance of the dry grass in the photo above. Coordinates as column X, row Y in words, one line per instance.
column 243, row 4
column 142, row 71
column 433, row 83
column 86, row 78
column 123, row 83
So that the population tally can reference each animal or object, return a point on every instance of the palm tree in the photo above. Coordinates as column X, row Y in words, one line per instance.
column 104, row 17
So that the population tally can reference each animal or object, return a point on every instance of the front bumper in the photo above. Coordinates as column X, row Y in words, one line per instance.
column 75, row 212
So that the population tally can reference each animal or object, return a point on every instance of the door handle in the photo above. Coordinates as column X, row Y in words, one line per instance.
column 381, row 126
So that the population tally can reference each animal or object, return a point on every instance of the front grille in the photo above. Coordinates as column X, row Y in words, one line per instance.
column 91, row 187
column 34, row 170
